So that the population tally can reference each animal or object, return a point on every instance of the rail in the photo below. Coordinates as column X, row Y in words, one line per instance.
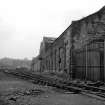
column 66, row 85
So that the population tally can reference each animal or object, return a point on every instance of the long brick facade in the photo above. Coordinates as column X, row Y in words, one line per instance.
column 79, row 50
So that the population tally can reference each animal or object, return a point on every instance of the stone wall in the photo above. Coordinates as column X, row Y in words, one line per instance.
column 89, row 30
column 55, row 56
column 35, row 66
column 75, row 51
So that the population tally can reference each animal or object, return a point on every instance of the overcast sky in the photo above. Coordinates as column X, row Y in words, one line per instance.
column 23, row 23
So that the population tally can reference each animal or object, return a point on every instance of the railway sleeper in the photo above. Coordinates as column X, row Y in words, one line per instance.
column 59, row 84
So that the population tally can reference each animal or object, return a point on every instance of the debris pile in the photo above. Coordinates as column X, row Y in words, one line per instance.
column 12, row 98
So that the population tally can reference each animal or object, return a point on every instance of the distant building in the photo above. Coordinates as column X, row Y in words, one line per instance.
column 45, row 45
column 35, row 65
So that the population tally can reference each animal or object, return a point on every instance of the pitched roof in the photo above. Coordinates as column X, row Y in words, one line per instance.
column 48, row 39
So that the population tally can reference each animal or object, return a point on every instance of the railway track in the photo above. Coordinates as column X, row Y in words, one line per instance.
column 70, row 86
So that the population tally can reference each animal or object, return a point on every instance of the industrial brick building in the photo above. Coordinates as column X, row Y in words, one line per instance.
column 79, row 50
column 35, row 65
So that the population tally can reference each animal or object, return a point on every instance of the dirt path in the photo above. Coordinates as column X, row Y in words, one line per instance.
column 14, row 91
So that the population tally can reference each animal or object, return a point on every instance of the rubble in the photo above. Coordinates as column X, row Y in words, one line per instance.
column 26, row 93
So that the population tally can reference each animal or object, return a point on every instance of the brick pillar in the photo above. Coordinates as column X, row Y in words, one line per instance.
column 104, row 60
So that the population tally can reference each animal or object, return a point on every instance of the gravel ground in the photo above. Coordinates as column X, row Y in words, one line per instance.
column 15, row 91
